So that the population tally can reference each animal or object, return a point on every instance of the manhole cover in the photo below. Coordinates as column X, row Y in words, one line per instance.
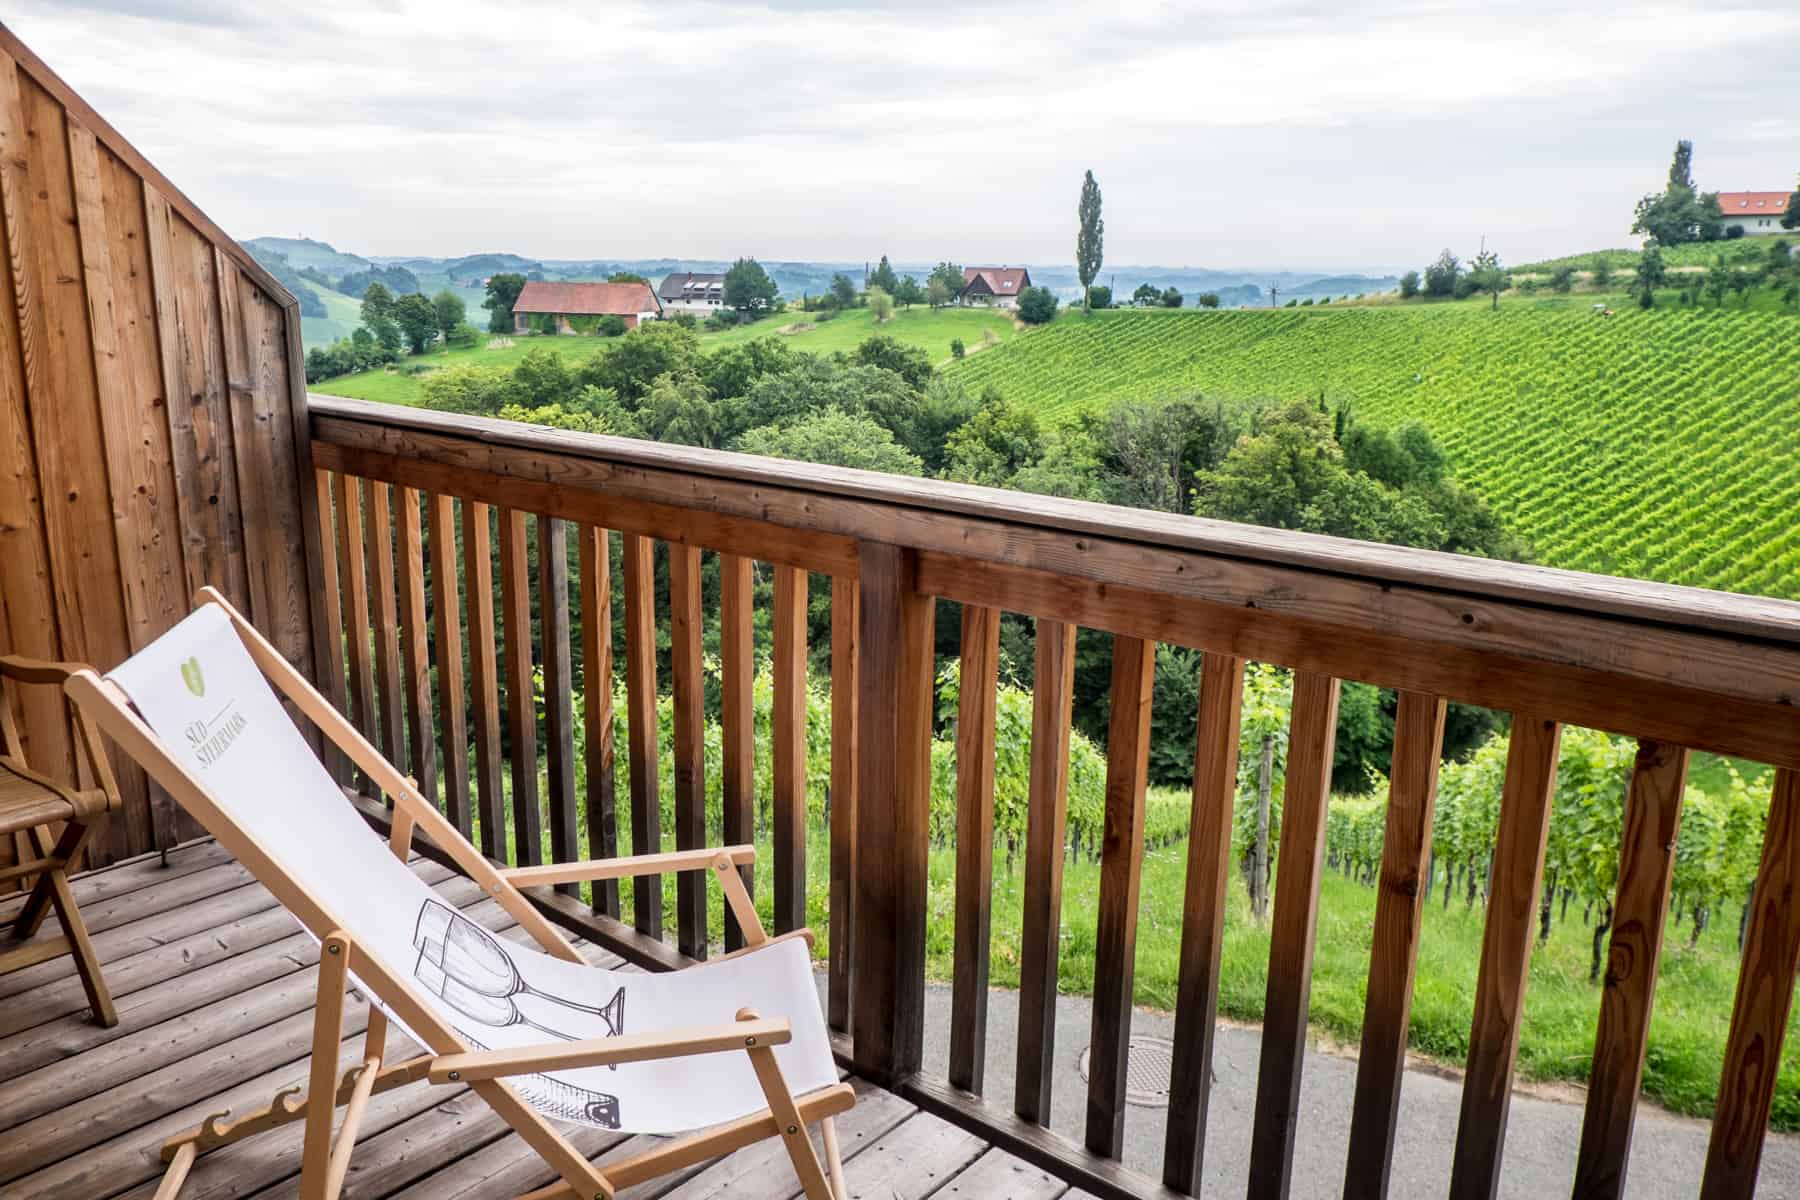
column 1147, row 1068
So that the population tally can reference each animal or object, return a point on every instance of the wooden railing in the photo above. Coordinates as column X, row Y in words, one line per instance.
column 1674, row 668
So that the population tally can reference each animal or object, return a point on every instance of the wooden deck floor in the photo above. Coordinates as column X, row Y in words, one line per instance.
column 215, row 983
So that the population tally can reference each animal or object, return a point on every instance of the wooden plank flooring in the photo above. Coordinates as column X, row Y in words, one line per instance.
column 214, row 984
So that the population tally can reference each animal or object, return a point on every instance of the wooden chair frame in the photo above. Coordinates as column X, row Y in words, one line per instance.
column 47, row 854
column 449, row 1059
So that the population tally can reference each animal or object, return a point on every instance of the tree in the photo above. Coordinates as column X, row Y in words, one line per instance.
column 1207, row 300
column 843, row 292
column 1562, row 279
column 1144, row 294
column 627, row 277
column 748, row 288
column 449, row 309
column 1037, row 305
column 880, row 302
column 417, row 320
column 836, row 437
column 994, row 445
column 884, row 278
column 1409, row 285
column 1600, row 270
column 1100, row 296
column 1790, row 219
column 949, row 277
column 1171, row 297
column 1486, row 275
column 908, row 292
column 1650, row 275
column 502, row 292
column 1442, row 276
column 1679, row 213
column 890, row 354
column 936, row 294
column 1090, row 237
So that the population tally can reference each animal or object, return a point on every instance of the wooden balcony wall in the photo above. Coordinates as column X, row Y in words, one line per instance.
column 399, row 489
column 152, row 417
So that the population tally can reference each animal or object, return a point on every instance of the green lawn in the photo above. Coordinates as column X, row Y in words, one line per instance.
column 932, row 330
column 345, row 314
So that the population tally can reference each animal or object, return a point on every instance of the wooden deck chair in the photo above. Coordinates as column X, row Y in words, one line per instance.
column 32, row 804
column 735, row 1047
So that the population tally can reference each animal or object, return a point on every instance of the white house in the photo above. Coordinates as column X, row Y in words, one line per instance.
column 1754, row 212
column 994, row 287
column 689, row 291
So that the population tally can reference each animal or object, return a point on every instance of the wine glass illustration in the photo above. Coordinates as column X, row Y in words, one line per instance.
column 466, row 966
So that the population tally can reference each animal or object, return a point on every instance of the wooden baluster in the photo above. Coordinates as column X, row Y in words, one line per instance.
column 1053, row 691
column 737, row 720
column 484, row 677
column 839, row 972
column 790, row 748
column 521, row 697
column 413, row 643
column 357, row 631
column 1312, row 738
column 378, row 518
column 1203, row 918
column 559, row 699
column 1121, row 874
column 1765, row 996
column 1505, row 955
column 690, row 744
column 1646, row 864
column 977, row 697
column 1405, row 857
column 597, row 711
column 446, row 610
column 333, row 609
column 641, row 734
column 894, row 683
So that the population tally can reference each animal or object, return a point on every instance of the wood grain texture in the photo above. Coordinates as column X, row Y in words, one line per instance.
column 1505, row 955
column 559, row 700
column 447, row 647
column 689, row 749
column 976, row 705
column 521, row 691
column 639, row 570
column 788, row 730
column 845, row 655
column 1405, row 859
column 1053, row 693
column 331, row 606
column 737, row 723
column 597, row 709
column 484, row 677
column 415, row 637
column 1121, row 876
column 390, row 703
column 1312, row 739
column 353, row 567
column 1641, row 909
column 893, row 787
column 1759, row 1014
column 1203, row 918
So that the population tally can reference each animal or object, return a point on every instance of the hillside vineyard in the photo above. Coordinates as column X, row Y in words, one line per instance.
column 1656, row 444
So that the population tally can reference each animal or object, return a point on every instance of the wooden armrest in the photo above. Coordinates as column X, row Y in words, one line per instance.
column 629, row 866
column 606, row 1052
column 37, row 670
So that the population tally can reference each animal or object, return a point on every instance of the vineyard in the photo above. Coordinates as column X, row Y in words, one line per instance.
column 1653, row 444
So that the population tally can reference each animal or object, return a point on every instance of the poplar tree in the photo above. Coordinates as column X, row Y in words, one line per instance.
column 1090, row 238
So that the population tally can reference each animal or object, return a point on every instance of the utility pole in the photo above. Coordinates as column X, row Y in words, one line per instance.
column 1273, row 292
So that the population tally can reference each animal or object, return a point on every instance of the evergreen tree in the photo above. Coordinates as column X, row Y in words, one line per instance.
column 1090, row 238
column 884, row 278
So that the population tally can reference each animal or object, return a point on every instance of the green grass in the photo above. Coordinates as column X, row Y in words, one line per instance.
column 1655, row 444
column 345, row 314
column 930, row 330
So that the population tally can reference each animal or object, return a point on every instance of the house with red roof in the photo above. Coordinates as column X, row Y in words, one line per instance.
column 571, row 306
column 1754, row 212
column 994, row 287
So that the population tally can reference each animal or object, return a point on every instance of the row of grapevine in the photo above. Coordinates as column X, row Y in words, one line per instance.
column 1656, row 444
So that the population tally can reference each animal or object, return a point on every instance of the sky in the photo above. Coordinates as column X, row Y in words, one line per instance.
column 1263, row 133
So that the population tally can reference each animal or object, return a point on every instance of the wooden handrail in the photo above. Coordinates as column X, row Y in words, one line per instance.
column 1677, row 668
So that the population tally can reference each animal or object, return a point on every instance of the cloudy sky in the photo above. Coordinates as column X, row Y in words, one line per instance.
column 1232, row 133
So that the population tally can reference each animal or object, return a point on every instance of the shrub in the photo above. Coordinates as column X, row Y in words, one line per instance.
column 1037, row 305
column 956, row 348
column 611, row 325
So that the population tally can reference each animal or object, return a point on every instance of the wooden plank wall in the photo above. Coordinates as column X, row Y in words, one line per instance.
column 152, row 418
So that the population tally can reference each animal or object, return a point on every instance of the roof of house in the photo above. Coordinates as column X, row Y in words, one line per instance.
column 586, row 299
column 1753, row 204
column 1001, row 281
column 681, row 283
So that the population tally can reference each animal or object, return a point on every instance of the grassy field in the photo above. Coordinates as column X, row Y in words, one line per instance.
column 931, row 330
column 1656, row 444
column 345, row 316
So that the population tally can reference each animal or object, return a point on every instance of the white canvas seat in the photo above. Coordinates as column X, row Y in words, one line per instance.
column 726, row 1045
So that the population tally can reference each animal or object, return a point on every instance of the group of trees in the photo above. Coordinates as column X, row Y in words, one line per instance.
column 390, row 324
column 1146, row 296
column 1449, row 278
column 1680, row 213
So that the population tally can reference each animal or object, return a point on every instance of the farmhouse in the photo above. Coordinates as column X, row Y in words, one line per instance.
column 688, row 291
column 574, row 307
column 1754, row 212
column 995, row 287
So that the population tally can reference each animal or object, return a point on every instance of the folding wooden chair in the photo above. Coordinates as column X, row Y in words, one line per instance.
column 31, row 805
column 535, row 1035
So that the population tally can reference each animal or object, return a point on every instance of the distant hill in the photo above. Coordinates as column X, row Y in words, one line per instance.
column 304, row 252
column 1653, row 444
